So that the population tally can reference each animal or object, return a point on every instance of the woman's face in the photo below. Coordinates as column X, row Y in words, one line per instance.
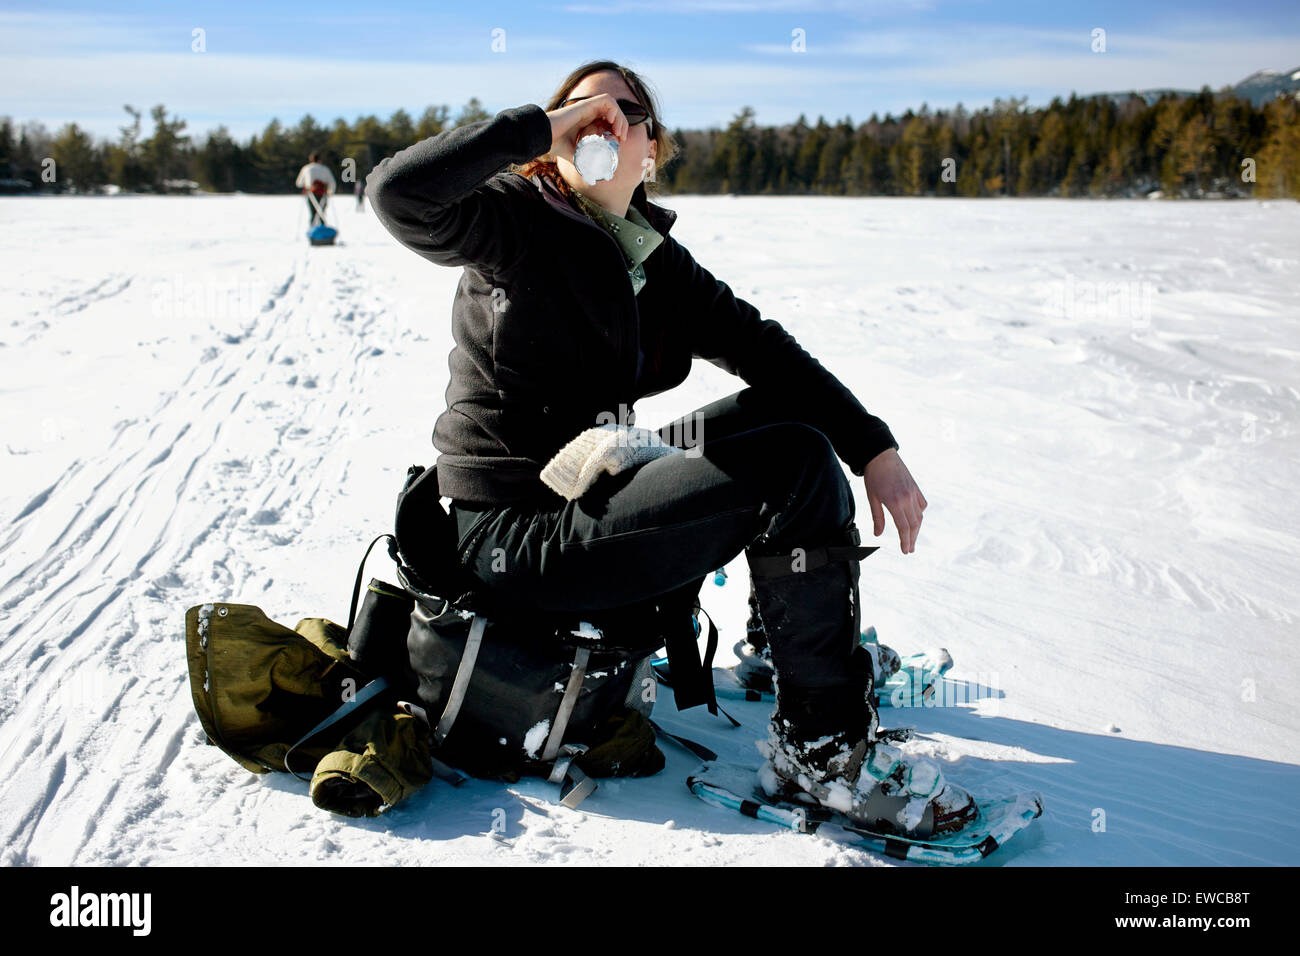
column 635, row 154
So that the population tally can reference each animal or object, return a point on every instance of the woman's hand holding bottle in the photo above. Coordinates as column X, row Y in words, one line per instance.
column 568, row 121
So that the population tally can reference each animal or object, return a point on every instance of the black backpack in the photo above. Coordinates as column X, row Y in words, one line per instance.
column 505, row 689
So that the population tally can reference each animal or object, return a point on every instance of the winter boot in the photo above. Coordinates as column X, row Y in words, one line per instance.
column 825, row 745
column 824, row 740
column 754, row 669
column 754, row 665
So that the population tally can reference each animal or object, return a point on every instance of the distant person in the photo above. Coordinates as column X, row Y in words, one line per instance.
column 360, row 190
column 315, row 179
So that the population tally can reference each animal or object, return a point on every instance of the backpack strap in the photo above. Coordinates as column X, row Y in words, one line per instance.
column 693, row 747
column 575, row 786
column 692, row 680
column 460, row 686
column 694, row 684
column 361, row 568
column 441, row 770
column 567, row 703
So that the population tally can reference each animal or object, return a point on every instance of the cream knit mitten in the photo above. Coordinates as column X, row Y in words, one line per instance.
column 605, row 449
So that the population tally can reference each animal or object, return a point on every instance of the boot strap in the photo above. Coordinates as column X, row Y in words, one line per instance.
column 778, row 565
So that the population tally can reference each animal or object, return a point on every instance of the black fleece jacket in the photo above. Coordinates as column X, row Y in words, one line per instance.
column 546, row 325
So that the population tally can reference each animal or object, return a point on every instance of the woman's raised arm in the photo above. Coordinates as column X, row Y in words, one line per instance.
column 439, row 197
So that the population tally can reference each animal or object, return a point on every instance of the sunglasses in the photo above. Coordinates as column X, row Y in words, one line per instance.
column 633, row 111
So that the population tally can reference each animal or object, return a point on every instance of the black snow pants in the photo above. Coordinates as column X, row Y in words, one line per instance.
column 749, row 480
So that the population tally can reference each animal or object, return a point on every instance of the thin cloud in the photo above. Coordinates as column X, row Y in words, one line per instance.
column 78, row 74
column 1016, row 59
column 689, row 7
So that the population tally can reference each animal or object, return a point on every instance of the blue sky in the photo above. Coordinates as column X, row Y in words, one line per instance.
column 62, row 62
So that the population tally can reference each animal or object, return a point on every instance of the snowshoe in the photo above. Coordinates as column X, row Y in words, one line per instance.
column 872, row 784
column 998, row 818
column 900, row 681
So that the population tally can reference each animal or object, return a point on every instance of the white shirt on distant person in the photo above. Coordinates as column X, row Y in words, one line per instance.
column 313, row 171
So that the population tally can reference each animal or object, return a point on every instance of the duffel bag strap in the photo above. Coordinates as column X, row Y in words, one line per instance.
column 371, row 690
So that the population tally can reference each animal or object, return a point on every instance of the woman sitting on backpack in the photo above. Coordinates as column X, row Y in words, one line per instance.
column 574, row 302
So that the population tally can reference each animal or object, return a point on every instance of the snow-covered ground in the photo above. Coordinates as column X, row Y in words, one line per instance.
column 1098, row 399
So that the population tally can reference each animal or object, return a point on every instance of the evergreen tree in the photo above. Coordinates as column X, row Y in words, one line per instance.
column 7, row 145
column 165, row 153
column 126, row 168
column 472, row 112
column 79, row 164
column 737, row 154
column 1097, row 145
column 219, row 164
column 1278, row 169
column 432, row 122
column 400, row 128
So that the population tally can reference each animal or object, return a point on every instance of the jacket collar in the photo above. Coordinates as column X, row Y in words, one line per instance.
column 661, row 218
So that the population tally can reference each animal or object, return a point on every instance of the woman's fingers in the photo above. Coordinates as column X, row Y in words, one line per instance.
column 613, row 114
column 609, row 112
column 569, row 121
column 888, row 482
column 916, row 527
column 906, row 523
column 906, row 513
column 877, row 514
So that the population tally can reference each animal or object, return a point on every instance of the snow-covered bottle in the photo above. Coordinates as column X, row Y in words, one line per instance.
column 596, row 157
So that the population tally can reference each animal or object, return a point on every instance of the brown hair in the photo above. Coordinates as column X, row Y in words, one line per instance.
column 314, row 157
column 664, row 150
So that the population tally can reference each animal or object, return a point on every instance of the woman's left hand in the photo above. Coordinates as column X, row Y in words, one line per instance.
column 890, row 484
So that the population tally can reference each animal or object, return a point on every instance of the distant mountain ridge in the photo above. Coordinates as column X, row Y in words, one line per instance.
column 1260, row 87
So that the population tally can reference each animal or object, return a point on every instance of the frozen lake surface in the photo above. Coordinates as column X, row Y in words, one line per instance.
column 1098, row 399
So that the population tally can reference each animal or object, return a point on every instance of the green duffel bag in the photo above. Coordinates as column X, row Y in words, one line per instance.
column 260, row 688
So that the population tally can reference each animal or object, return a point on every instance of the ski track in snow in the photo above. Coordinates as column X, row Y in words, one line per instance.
column 1109, row 553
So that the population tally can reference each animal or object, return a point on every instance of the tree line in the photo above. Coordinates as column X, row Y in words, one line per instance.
column 1205, row 145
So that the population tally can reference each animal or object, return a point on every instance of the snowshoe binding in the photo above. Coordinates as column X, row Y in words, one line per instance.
column 854, row 770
